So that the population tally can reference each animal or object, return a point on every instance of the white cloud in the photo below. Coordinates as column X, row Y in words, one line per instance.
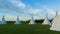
column 18, row 3
column 34, row 11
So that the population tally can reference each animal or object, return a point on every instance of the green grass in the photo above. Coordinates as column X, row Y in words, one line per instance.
column 26, row 29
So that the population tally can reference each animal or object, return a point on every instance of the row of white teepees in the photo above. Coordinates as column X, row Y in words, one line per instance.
column 4, row 21
column 17, row 21
column 31, row 21
column 55, row 24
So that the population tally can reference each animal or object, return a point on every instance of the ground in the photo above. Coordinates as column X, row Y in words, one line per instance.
column 26, row 29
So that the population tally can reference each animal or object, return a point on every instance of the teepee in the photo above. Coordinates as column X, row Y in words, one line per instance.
column 56, row 23
column 32, row 21
column 3, row 21
column 17, row 21
column 46, row 21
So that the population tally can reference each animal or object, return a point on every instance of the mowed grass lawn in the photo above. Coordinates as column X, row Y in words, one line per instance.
column 26, row 29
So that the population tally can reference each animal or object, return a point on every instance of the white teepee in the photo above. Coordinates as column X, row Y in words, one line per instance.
column 3, row 21
column 56, row 23
column 46, row 21
column 17, row 21
column 32, row 21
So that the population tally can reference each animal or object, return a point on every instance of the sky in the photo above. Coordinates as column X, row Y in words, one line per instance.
column 26, row 8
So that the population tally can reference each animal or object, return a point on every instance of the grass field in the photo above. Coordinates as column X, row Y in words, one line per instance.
column 26, row 29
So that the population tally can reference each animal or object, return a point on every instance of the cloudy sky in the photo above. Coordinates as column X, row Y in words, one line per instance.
column 25, row 8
